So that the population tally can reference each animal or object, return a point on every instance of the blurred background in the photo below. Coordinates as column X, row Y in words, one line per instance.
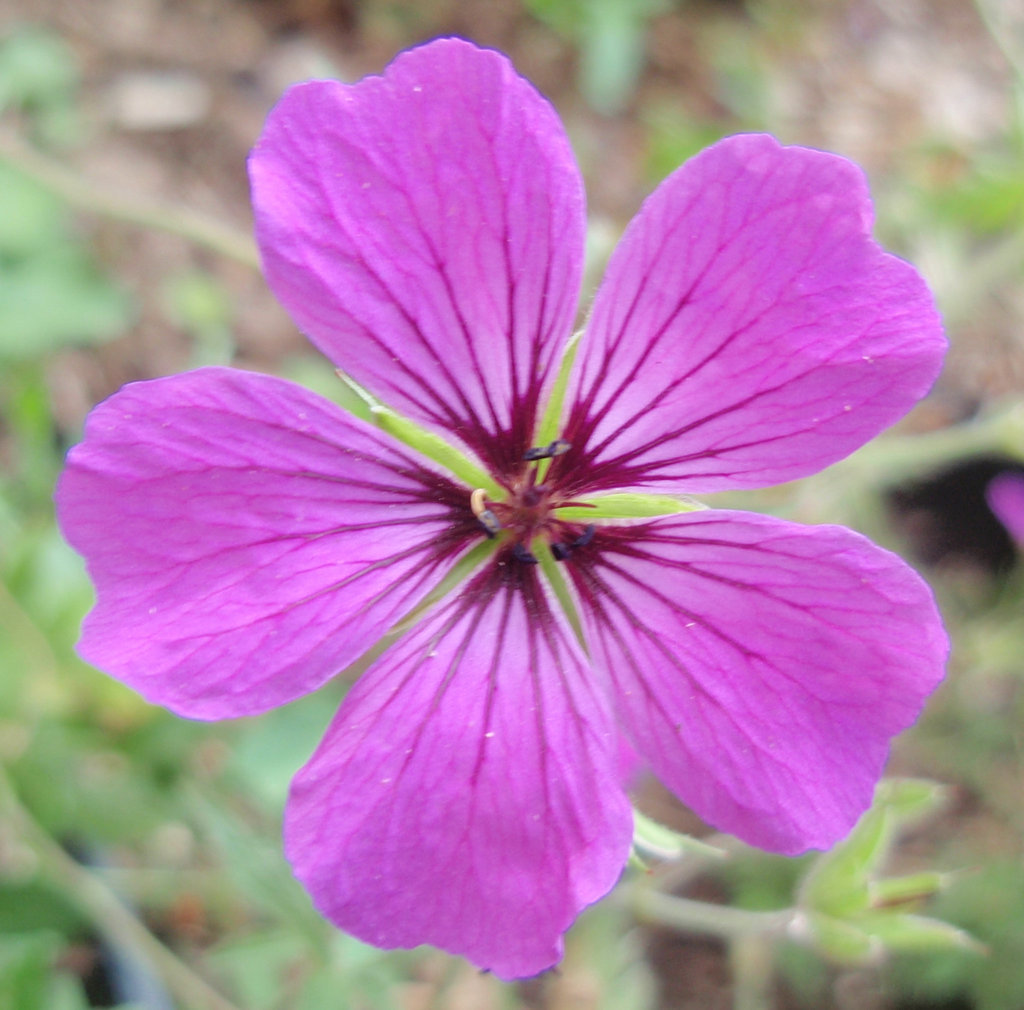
column 125, row 254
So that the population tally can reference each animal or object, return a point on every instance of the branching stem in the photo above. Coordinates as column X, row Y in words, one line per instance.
column 87, row 197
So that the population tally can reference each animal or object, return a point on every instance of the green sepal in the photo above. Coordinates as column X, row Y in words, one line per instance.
column 841, row 941
column 551, row 421
column 425, row 442
column 560, row 587
column 917, row 933
column 838, row 883
column 436, row 448
column 866, row 938
column 903, row 892
column 460, row 573
column 628, row 505
column 655, row 840
column 909, row 799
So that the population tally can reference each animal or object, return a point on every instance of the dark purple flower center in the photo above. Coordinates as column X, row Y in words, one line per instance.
column 527, row 517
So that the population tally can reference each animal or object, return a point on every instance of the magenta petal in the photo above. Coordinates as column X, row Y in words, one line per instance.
column 425, row 229
column 247, row 539
column 749, row 330
column 1005, row 496
column 468, row 794
column 760, row 666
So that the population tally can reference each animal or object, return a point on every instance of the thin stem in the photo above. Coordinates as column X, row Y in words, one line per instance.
column 691, row 916
column 118, row 925
column 87, row 197
column 898, row 457
column 751, row 958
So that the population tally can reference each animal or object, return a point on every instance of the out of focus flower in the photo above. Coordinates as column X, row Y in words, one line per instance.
column 1005, row 495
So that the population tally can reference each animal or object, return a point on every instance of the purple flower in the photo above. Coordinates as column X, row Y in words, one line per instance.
column 248, row 539
column 1005, row 495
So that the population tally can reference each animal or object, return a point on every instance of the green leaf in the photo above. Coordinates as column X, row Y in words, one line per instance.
column 989, row 199
column 603, row 959
column 26, row 961
column 56, row 299
column 35, row 906
column 613, row 36
column 38, row 77
column 37, row 69
column 358, row 975
column 199, row 304
column 256, row 864
column 33, row 218
column 82, row 787
column 65, row 993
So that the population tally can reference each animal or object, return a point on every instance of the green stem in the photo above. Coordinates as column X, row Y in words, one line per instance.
column 751, row 958
column 691, row 916
column 86, row 196
column 897, row 458
column 117, row 924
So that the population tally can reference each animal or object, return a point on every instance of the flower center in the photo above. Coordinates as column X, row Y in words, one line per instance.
column 527, row 516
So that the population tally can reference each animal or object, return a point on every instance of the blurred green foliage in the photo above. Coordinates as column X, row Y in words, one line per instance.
column 41, row 257
column 38, row 76
column 610, row 37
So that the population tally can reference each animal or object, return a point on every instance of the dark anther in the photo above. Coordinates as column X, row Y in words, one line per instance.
column 556, row 448
column 585, row 537
column 489, row 521
column 562, row 552
column 520, row 553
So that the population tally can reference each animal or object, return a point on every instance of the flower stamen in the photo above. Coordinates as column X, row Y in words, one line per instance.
column 557, row 448
column 562, row 551
column 487, row 519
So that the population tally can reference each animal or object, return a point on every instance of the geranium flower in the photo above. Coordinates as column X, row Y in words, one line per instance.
column 1005, row 495
column 248, row 540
